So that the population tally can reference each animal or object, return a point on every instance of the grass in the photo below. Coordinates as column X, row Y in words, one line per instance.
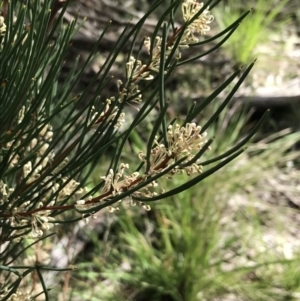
column 255, row 30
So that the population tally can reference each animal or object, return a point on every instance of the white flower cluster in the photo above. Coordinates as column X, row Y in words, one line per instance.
column 5, row 192
column 45, row 194
column 182, row 142
column 2, row 26
column 97, row 119
column 137, row 71
column 155, row 62
column 18, row 296
column 117, row 183
column 39, row 222
column 199, row 26
column 38, row 145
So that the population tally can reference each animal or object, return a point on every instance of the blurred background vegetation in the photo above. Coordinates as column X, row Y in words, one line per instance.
column 235, row 236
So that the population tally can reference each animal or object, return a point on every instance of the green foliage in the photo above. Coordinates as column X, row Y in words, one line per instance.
column 256, row 29
column 45, row 166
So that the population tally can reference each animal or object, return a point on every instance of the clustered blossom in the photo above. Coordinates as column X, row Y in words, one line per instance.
column 137, row 71
column 97, row 119
column 183, row 141
column 2, row 31
column 39, row 222
column 155, row 62
column 200, row 25
column 117, row 183
column 38, row 145
column 2, row 26
column 50, row 191
column 18, row 296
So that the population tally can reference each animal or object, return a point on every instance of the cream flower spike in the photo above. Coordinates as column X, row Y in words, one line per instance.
column 200, row 25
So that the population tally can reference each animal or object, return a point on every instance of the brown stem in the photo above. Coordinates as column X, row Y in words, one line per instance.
column 168, row 44
column 92, row 201
column 57, row 5
column 4, row 8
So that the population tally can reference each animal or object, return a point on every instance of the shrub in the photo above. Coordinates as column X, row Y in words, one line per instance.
column 52, row 140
